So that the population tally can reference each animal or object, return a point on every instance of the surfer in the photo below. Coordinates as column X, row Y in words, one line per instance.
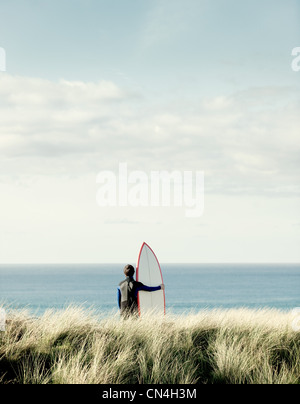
column 128, row 291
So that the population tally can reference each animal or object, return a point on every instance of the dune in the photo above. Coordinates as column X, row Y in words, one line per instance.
column 77, row 346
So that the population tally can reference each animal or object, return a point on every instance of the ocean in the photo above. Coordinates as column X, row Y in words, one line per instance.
column 189, row 287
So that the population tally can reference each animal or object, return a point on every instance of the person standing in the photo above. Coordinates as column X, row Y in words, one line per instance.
column 128, row 290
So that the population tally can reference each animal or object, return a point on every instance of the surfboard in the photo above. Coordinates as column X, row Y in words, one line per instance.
column 149, row 273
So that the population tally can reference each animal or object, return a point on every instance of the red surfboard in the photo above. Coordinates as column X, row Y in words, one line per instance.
column 149, row 273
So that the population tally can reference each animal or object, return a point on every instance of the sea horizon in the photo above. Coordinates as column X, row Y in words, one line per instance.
column 189, row 286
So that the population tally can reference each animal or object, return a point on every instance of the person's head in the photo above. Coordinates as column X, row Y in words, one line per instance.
column 129, row 270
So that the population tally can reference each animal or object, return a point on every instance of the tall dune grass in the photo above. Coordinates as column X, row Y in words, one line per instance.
column 74, row 346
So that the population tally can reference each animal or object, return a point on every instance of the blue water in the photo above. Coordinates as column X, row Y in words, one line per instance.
column 188, row 286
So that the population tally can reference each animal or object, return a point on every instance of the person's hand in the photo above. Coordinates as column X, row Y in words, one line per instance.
column 162, row 286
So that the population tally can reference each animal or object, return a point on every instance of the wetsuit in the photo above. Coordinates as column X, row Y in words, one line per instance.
column 127, row 295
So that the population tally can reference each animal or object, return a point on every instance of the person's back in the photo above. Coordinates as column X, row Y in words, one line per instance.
column 128, row 292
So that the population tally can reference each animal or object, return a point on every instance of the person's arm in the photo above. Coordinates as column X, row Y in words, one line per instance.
column 149, row 288
column 119, row 298
column 145, row 288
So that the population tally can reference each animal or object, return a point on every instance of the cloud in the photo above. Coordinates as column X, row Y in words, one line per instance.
column 48, row 118
column 247, row 142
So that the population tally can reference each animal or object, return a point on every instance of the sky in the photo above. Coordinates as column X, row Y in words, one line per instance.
column 199, row 85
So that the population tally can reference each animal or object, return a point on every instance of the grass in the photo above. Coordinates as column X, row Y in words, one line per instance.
column 74, row 346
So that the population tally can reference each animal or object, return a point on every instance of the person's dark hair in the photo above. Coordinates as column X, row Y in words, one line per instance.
column 129, row 270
